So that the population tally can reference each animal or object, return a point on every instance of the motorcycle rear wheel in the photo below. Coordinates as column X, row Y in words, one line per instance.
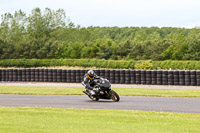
column 114, row 96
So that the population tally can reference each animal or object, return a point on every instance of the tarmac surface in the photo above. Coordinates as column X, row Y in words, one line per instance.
column 161, row 104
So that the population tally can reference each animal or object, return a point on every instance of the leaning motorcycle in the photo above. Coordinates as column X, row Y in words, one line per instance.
column 102, row 90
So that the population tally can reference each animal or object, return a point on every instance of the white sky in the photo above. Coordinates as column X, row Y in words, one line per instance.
column 161, row 13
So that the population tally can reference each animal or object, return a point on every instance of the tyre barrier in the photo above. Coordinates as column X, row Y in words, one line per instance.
column 127, row 77
column 170, row 78
column 115, row 76
column 154, row 77
column 164, row 77
column 187, row 78
column 148, row 77
column 198, row 78
column 122, row 77
column 181, row 78
column 132, row 77
column 143, row 77
column 138, row 76
column 112, row 76
column 176, row 77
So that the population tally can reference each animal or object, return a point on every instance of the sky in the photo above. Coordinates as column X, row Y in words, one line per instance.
column 121, row 13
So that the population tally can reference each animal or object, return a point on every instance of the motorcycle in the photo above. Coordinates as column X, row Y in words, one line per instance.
column 102, row 90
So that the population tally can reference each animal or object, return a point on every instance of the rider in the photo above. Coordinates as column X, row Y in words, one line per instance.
column 89, row 81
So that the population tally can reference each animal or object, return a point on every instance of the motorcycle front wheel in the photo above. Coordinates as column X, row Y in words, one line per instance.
column 114, row 96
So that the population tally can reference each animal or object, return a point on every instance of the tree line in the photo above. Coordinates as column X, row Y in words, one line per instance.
column 51, row 34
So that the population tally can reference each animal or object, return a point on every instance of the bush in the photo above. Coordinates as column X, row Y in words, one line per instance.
column 101, row 63
column 145, row 65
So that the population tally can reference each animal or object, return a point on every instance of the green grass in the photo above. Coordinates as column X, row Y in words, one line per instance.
column 51, row 120
column 22, row 90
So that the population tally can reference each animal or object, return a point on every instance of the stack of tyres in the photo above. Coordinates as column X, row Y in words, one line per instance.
column 127, row 77
column 36, row 75
column 170, row 78
column 78, row 77
column 54, row 75
column 73, row 76
column 19, row 74
column 165, row 77
column 41, row 75
column 193, row 78
column 102, row 73
column 154, row 77
column 122, row 77
column 176, row 77
column 64, row 75
column 181, row 78
column 8, row 77
column 68, row 76
column 26, row 75
column 143, row 77
column 112, row 76
column 59, row 75
column 10, row 74
column 198, row 77
column 7, row 74
column 107, row 74
column 45, row 76
column 3, row 75
column 15, row 76
column 187, row 78
column 50, row 75
column 82, row 74
column 97, row 72
column 117, row 76
column 138, row 76
column 0, row 74
column 132, row 77
column 148, row 77
column 86, row 71
column 32, row 75
column 159, row 77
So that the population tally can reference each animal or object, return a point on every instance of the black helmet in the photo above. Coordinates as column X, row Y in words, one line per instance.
column 91, row 74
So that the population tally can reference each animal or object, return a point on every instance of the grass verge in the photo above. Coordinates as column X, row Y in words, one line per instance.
column 54, row 120
column 24, row 90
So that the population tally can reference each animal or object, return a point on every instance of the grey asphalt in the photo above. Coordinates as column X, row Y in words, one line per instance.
column 161, row 104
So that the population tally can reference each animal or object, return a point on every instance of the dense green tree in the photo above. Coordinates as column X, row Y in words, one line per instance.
column 50, row 34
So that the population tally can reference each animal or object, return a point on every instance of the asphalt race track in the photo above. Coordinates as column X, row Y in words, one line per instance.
column 161, row 104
